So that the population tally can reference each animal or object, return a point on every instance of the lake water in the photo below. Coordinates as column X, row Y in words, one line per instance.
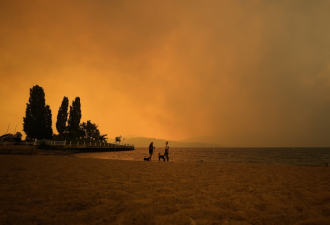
column 270, row 156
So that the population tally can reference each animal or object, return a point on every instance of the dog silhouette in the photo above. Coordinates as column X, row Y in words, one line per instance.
column 161, row 157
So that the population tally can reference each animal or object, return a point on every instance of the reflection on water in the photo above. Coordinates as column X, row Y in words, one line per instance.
column 286, row 156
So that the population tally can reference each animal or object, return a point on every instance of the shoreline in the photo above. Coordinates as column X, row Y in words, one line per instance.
column 59, row 189
column 33, row 150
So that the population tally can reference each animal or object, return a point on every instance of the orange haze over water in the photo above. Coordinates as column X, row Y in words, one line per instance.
column 243, row 73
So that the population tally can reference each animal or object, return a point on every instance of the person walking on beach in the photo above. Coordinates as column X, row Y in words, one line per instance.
column 151, row 150
column 166, row 150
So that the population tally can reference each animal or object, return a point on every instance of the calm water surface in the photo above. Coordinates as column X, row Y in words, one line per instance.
column 270, row 156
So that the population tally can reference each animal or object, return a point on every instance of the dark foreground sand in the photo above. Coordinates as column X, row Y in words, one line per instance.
column 66, row 190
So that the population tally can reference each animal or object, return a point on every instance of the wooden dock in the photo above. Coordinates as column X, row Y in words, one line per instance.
column 33, row 149
column 102, row 148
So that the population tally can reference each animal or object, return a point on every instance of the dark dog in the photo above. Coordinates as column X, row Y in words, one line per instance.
column 146, row 159
column 161, row 157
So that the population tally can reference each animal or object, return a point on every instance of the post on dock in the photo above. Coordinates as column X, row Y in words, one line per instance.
column 77, row 143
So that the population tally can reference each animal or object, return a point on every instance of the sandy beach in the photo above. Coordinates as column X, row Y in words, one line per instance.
column 44, row 189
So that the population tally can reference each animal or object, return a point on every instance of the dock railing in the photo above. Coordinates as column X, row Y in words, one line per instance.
column 70, row 143
column 49, row 142
column 96, row 144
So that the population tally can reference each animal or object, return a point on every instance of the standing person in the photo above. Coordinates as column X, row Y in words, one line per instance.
column 151, row 150
column 166, row 150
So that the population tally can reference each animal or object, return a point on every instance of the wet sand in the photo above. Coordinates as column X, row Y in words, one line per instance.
column 67, row 190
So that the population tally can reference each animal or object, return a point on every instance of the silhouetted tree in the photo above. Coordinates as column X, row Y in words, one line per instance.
column 7, row 137
column 118, row 139
column 90, row 130
column 37, row 120
column 29, row 121
column 12, row 137
column 48, row 123
column 62, row 116
column 75, row 116
column 18, row 137
column 103, row 137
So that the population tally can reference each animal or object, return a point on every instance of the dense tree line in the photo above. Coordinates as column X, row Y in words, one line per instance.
column 37, row 123
column 72, row 127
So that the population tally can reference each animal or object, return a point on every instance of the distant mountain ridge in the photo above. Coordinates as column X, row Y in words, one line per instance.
column 203, row 139
column 144, row 142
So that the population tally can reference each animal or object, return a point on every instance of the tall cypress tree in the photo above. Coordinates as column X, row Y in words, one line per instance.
column 62, row 116
column 48, row 133
column 75, row 115
column 29, row 121
column 36, row 115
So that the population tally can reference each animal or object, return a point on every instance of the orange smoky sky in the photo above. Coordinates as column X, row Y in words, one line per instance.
column 236, row 73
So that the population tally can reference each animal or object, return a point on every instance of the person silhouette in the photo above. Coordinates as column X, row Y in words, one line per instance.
column 151, row 150
column 166, row 150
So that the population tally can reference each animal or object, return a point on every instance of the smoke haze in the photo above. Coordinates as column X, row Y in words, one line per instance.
column 238, row 73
